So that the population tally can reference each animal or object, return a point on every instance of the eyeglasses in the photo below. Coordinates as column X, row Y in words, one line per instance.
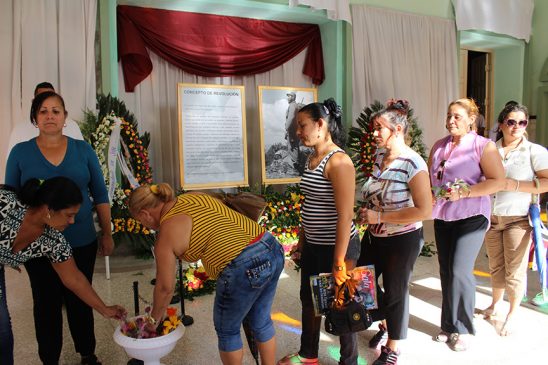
column 513, row 122
column 441, row 170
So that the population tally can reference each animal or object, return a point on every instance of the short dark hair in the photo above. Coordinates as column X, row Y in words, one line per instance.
column 39, row 100
column 43, row 85
column 57, row 193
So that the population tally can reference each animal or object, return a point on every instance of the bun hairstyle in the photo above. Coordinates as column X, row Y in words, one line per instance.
column 331, row 112
column 511, row 106
column 39, row 100
column 57, row 193
column 149, row 196
column 394, row 113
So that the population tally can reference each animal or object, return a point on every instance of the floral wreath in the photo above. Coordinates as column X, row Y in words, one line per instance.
column 135, row 154
column 362, row 141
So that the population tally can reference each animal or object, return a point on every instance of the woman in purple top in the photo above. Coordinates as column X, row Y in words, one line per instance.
column 461, row 217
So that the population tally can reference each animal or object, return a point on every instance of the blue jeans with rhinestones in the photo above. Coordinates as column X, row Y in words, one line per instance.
column 245, row 291
column 6, row 334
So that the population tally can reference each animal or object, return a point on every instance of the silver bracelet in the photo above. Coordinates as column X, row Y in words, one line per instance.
column 517, row 186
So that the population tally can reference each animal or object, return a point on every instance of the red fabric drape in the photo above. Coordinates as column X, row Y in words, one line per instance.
column 212, row 45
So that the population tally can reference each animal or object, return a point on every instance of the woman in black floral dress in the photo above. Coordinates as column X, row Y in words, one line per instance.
column 31, row 222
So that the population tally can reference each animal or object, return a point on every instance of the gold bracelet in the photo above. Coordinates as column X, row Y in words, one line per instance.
column 517, row 185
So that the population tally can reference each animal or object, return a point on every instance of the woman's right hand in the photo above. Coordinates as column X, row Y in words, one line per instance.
column 114, row 312
column 295, row 254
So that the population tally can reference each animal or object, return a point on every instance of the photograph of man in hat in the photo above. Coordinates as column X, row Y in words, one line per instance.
column 291, row 128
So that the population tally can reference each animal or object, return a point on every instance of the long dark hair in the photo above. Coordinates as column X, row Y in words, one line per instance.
column 57, row 193
column 331, row 112
column 510, row 107
column 39, row 100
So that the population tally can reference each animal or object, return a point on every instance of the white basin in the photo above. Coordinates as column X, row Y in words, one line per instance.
column 149, row 350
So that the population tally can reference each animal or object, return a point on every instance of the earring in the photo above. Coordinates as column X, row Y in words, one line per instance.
column 48, row 216
column 65, row 125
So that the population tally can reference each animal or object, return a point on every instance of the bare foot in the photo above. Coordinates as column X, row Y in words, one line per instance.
column 507, row 327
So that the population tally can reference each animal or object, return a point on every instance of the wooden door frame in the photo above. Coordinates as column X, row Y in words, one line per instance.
column 489, row 82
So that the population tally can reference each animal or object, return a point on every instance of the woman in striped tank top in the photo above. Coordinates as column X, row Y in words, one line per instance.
column 235, row 250
column 328, row 240
column 396, row 200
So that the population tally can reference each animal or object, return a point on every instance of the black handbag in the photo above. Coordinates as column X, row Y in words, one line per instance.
column 346, row 315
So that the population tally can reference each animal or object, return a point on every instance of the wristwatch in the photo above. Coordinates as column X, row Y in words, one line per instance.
column 338, row 268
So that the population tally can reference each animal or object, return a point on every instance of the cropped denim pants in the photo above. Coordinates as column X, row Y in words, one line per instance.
column 245, row 291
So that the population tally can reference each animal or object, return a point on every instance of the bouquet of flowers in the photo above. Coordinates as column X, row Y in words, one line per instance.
column 444, row 191
column 138, row 327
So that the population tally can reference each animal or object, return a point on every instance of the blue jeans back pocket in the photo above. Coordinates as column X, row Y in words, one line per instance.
column 259, row 275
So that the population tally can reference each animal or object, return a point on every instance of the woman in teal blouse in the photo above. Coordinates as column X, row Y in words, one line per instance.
column 48, row 155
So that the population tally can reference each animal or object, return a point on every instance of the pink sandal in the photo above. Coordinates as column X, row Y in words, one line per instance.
column 295, row 359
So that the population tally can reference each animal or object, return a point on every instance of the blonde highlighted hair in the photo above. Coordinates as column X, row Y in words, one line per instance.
column 149, row 196
column 467, row 104
column 471, row 109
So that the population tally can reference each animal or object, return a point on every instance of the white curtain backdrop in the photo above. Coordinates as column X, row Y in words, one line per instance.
column 510, row 17
column 405, row 56
column 45, row 40
column 154, row 104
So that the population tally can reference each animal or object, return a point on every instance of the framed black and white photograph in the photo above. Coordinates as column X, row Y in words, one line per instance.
column 283, row 156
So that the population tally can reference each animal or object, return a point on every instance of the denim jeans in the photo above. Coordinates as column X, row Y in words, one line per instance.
column 6, row 334
column 245, row 291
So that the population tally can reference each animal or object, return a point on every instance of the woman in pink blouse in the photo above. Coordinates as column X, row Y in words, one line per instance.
column 461, row 217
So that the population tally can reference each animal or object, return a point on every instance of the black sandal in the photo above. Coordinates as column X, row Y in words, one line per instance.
column 90, row 360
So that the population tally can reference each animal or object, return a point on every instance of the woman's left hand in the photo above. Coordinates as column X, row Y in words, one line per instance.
column 340, row 276
column 367, row 216
column 106, row 245
column 454, row 195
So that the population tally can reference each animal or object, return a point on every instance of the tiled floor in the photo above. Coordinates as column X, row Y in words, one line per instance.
column 198, row 345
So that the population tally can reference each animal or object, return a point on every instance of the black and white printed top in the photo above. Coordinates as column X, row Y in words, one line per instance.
column 51, row 244
column 319, row 214
column 388, row 190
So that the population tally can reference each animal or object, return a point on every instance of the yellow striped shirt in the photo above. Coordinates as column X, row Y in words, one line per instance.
column 219, row 234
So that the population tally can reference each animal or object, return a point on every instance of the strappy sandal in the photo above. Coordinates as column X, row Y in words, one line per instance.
column 456, row 342
column 442, row 337
column 295, row 359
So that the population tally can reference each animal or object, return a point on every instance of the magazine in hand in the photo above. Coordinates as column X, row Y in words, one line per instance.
column 323, row 289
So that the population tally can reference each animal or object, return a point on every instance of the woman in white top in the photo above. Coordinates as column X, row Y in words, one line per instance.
column 507, row 241
column 396, row 199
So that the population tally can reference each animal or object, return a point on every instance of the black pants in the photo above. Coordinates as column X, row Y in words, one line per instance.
column 394, row 258
column 458, row 244
column 317, row 259
column 49, row 294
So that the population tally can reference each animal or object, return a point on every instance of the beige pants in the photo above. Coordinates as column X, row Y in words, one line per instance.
column 507, row 243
